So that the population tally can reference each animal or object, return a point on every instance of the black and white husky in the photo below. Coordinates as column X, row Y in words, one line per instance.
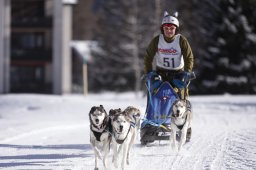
column 125, row 125
column 181, row 122
column 100, row 137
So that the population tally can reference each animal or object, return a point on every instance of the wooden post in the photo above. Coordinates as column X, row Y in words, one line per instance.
column 85, row 78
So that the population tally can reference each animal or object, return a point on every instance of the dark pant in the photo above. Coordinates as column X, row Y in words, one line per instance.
column 169, row 75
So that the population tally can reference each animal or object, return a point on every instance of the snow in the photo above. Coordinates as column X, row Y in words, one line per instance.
column 52, row 132
column 83, row 48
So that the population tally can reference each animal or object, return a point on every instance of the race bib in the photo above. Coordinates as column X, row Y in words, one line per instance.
column 168, row 55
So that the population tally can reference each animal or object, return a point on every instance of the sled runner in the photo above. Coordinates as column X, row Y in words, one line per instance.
column 160, row 98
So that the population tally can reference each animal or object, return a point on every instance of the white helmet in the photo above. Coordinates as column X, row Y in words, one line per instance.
column 168, row 19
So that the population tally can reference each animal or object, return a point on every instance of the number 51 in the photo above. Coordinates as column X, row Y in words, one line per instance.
column 168, row 62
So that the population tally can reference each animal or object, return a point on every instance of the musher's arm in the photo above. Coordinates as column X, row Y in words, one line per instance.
column 187, row 54
column 150, row 53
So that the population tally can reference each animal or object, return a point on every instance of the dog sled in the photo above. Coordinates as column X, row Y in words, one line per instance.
column 160, row 97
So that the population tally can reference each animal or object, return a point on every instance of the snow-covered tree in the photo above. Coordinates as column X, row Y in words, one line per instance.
column 222, row 34
column 224, row 39
column 125, row 29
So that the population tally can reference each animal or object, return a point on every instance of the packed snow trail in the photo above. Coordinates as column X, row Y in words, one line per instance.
column 52, row 132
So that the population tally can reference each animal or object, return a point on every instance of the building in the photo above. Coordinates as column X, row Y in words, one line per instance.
column 35, row 52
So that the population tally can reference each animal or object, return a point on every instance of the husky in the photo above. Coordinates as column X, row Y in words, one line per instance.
column 123, row 134
column 134, row 114
column 100, row 137
column 181, row 122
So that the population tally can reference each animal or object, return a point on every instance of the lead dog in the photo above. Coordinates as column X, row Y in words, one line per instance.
column 100, row 137
column 181, row 121
column 124, row 132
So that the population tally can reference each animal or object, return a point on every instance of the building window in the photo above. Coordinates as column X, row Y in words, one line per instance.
column 29, row 40
column 28, row 79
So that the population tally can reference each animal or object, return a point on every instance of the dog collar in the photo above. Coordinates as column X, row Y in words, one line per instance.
column 120, row 141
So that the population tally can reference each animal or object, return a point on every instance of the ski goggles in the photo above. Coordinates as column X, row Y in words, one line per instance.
column 169, row 25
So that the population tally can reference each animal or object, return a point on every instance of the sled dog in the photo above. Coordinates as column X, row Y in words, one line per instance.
column 181, row 121
column 134, row 114
column 100, row 137
column 123, row 134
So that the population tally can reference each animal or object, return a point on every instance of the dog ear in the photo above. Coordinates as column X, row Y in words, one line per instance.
column 111, row 112
column 125, row 113
column 101, row 107
column 128, row 108
column 114, row 111
column 92, row 109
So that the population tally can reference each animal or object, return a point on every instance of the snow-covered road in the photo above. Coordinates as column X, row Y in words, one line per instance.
column 52, row 132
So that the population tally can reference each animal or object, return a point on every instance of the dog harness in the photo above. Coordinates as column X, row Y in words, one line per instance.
column 97, row 134
column 108, row 128
column 180, row 127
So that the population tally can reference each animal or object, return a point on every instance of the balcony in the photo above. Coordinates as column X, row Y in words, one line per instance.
column 35, row 22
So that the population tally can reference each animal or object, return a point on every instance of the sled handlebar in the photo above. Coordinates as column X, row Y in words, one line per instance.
column 183, row 79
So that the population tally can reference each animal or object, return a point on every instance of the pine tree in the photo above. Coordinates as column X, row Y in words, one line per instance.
column 235, row 41
column 224, row 35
